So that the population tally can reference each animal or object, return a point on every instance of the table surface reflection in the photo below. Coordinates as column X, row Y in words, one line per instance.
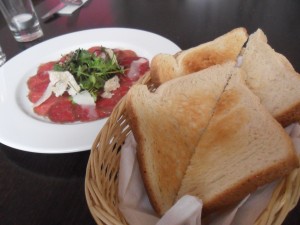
column 49, row 188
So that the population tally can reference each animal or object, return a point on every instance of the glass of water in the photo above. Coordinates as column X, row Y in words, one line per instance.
column 2, row 57
column 21, row 19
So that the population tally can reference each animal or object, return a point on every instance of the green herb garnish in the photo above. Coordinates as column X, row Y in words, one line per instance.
column 91, row 71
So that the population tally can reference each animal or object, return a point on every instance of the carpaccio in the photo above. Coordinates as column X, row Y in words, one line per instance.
column 61, row 109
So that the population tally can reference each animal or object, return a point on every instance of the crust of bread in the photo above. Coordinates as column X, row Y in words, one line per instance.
column 225, row 48
column 167, row 125
column 272, row 78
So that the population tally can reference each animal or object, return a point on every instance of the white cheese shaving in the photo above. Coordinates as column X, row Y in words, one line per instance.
column 134, row 68
column 110, row 52
column 83, row 98
column 60, row 81
column 107, row 52
column 106, row 95
column 111, row 55
column 109, row 86
column 63, row 81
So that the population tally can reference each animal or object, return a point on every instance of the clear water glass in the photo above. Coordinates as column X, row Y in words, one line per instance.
column 21, row 19
column 2, row 57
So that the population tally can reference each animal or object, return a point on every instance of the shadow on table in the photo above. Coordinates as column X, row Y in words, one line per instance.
column 55, row 165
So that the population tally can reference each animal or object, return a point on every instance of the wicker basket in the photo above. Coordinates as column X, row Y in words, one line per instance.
column 101, row 182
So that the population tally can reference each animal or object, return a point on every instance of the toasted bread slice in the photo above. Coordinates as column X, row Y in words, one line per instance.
column 272, row 78
column 167, row 126
column 243, row 148
column 225, row 48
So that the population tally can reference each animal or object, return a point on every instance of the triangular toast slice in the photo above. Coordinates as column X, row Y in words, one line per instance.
column 272, row 78
column 243, row 148
column 225, row 48
column 167, row 126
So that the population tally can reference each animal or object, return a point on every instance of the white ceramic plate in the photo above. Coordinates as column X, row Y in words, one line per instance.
column 20, row 128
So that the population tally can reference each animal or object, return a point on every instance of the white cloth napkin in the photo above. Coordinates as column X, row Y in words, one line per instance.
column 136, row 208
column 69, row 9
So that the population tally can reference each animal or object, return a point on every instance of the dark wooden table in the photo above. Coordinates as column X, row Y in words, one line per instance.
column 49, row 188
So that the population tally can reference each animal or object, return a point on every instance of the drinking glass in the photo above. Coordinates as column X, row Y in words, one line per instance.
column 2, row 57
column 21, row 19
